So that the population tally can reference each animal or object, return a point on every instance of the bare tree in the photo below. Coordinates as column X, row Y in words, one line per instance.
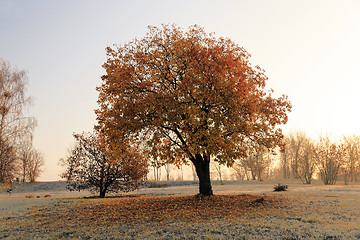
column 239, row 171
column 8, row 167
column 294, row 144
column 299, row 152
column 219, row 171
column 168, row 169
column 13, row 123
column 298, row 157
column 351, row 161
column 285, row 163
column 329, row 159
column 256, row 162
column 307, row 162
column 156, row 163
column 35, row 165
column 24, row 154
column 182, row 173
column 31, row 161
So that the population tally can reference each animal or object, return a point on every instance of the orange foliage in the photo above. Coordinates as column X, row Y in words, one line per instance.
column 198, row 92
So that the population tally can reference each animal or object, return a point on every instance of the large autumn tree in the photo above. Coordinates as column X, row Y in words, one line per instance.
column 188, row 95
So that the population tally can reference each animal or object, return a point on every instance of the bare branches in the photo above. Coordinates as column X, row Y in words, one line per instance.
column 351, row 162
column 329, row 158
column 299, row 156
column 14, row 125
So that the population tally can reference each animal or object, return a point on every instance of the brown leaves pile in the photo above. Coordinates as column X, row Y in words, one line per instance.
column 137, row 210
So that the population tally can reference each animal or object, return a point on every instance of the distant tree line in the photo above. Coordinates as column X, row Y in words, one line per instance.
column 302, row 158
column 305, row 159
column 18, row 158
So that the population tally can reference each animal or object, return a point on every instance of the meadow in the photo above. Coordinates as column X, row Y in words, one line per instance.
column 238, row 210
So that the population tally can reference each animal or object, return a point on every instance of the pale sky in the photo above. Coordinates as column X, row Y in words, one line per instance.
column 310, row 51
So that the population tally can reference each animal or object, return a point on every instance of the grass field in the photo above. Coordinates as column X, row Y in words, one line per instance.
column 239, row 210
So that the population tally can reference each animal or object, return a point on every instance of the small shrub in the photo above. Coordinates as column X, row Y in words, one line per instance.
column 89, row 159
column 47, row 195
column 280, row 187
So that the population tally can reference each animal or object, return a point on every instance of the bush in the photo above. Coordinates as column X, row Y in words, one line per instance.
column 280, row 187
column 101, row 169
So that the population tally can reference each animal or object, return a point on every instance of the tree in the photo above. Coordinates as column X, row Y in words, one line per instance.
column 8, row 166
column 168, row 169
column 31, row 160
column 24, row 153
column 329, row 158
column 219, row 171
column 293, row 145
column 92, row 166
column 24, row 150
column 13, row 123
column 285, row 165
column 299, row 156
column 256, row 162
column 34, row 165
column 307, row 162
column 351, row 161
column 192, row 95
column 156, row 164
column 240, row 172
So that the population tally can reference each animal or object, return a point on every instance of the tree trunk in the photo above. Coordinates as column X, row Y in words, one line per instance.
column 102, row 190
column 167, row 170
column 346, row 177
column 253, row 175
column 102, row 193
column 202, row 167
column 24, row 171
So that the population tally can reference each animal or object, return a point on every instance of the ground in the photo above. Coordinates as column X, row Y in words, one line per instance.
column 239, row 210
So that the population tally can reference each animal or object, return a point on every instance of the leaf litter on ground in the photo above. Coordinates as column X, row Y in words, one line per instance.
column 136, row 210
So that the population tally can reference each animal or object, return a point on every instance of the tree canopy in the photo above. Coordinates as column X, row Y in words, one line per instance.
column 188, row 95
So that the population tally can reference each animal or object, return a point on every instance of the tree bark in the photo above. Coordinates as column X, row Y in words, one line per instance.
column 102, row 189
column 202, row 167
column 102, row 192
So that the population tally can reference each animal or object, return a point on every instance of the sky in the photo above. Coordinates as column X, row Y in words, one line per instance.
column 309, row 50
